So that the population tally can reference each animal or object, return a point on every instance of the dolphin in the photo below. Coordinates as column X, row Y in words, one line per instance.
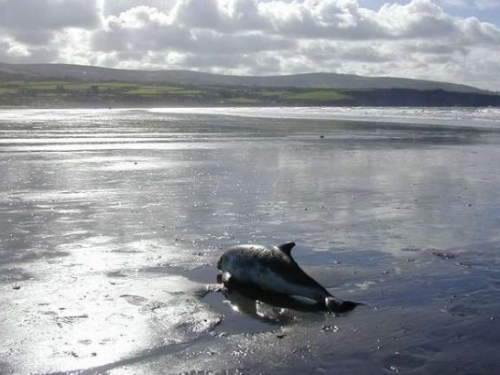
column 273, row 269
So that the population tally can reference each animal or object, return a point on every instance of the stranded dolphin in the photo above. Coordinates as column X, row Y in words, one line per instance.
column 272, row 268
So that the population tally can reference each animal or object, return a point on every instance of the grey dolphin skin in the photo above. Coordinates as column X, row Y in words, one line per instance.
column 273, row 269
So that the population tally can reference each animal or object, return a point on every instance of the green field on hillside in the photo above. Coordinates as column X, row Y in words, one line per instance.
column 317, row 95
column 77, row 91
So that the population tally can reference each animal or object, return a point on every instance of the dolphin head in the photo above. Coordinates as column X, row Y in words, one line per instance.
column 224, row 275
column 227, row 261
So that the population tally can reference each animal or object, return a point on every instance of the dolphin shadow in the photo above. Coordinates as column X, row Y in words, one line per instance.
column 249, row 298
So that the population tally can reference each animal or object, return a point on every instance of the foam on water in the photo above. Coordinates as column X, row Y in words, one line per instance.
column 457, row 116
column 419, row 115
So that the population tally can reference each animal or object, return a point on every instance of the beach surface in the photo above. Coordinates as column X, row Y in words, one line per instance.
column 112, row 222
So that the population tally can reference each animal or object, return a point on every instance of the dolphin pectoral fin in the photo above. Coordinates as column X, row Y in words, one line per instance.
column 338, row 306
column 287, row 248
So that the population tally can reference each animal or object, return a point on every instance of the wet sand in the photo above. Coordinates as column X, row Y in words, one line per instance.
column 112, row 222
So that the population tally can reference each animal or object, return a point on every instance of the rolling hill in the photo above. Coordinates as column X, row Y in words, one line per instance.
column 57, row 85
column 192, row 78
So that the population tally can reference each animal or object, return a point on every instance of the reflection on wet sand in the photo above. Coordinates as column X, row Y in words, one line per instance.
column 106, row 247
column 270, row 307
column 267, row 306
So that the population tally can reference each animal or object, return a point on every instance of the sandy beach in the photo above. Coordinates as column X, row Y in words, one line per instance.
column 112, row 222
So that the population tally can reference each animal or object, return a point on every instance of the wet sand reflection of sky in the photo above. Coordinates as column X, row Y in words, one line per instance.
column 111, row 224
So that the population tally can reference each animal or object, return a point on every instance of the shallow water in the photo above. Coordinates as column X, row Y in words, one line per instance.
column 111, row 224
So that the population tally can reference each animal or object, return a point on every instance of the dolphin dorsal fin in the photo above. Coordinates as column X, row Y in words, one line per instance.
column 287, row 248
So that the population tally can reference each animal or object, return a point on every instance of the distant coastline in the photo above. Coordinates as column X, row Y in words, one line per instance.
column 70, row 94
column 67, row 86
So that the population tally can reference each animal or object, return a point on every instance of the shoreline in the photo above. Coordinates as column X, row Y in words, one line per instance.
column 459, row 117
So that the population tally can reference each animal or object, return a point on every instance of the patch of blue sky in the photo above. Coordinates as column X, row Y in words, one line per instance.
column 483, row 10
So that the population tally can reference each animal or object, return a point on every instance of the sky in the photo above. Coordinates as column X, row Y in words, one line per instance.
column 445, row 40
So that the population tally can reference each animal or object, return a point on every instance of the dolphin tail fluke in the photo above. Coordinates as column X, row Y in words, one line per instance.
column 338, row 306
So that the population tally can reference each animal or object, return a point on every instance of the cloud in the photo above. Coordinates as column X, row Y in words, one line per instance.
column 34, row 23
column 227, row 16
column 417, row 39
column 328, row 19
column 475, row 32
column 14, row 52
column 47, row 15
column 147, row 29
column 114, row 7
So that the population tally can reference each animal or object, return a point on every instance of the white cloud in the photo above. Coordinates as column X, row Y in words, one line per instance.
column 417, row 39
column 115, row 7
column 15, row 52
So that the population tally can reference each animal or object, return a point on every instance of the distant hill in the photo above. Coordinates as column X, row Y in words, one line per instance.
column 190, row 78
column 58, row 85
